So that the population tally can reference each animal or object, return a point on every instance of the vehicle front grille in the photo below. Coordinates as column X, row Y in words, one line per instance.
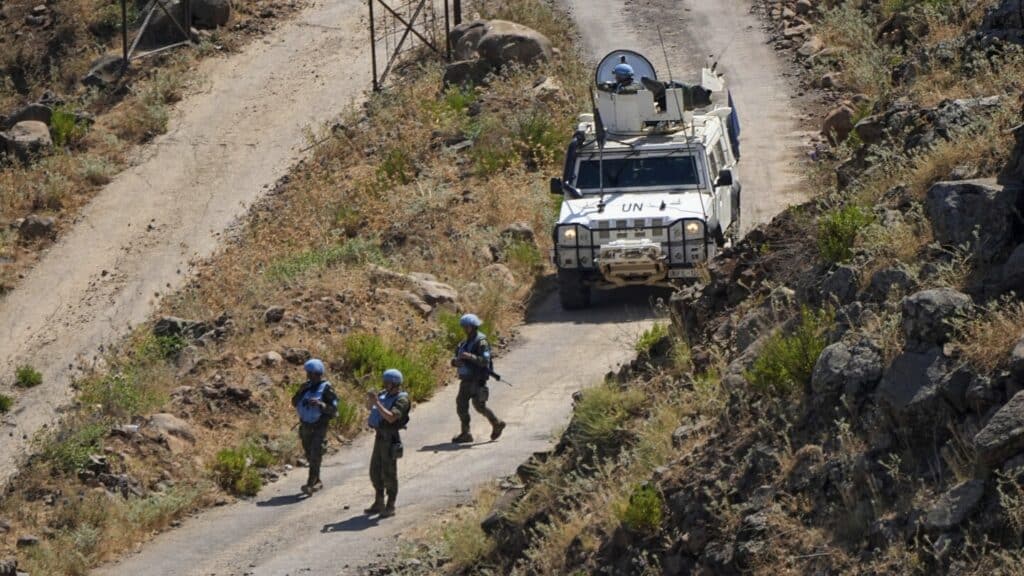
column 654, row 229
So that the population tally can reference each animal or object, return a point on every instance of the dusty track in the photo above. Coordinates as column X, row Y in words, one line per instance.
column 227, row 145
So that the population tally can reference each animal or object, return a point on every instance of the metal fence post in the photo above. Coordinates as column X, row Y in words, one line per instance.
column 373, row 48
column 124, row 33
column 447, row 33
column 458, row 12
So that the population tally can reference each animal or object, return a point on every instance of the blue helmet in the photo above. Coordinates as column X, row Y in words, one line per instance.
column 392, row 376
column 623, row 71
column 314, row 366
column 470, row 320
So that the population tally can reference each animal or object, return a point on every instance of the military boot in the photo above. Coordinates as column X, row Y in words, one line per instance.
column 463, row 438
column 389, row 509
column 497, row 429
column 378, row 505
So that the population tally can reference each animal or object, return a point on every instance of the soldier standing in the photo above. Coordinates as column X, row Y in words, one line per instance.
column 389, row 414
column 316, row 403
column 473, row 361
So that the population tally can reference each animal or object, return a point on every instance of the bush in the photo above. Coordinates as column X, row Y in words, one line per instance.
column 353, row 251
column 785, row 365
column 396, row 168
column 26, row 376
column 650, row 338
column 237, row 470
column 524, row 256
column 601, row 412
column 541, row 139
column 367, row 356
column 6, row 402
column 119, row 394
column 65, row 129
column 348, row 415
column 837, row 232
column 70, row 453
column 644, row 512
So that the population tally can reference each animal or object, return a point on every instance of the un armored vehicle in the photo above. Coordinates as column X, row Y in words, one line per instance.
column 650, row 187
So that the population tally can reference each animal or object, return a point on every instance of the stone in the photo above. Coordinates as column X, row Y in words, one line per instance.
column 811, row 46
column 33, row 112
column 507, row 43
column 104, row 71
column 929, row 316
column 887, row 282
column 27, row 140
column 272, row 359
column 497, row 275
column 169, row 424
column 296, row 356
column 955, row 506
column 1017, row 360
column 871, row 130
column 27, row 541
column 806, row 473
column 841, row 285
column 211, row 14
column 911, row 390
column 465, row 38
column 838, row 124
column 162, row 29
column 978, row 214
column 1013, row 271
column 686, row 431
column 466, row 73
column 803, row 7
column 796, row 31
column 35, row 227
column 851, row 369
column 550, row 91
column 436, row 293
column 411, row 299
column 1003, row 436
column 8, row 567
column 1005, row 21
column 273, row 315
column 518, row 232
column 168, row 326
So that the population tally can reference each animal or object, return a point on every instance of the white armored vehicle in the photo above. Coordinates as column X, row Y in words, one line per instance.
column 650, row 186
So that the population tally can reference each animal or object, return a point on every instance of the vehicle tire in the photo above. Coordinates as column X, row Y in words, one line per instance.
column 572, row 292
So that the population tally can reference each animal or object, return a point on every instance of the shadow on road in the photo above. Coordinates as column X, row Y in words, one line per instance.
column 445, row 447
column 353, row 524
column 285, row 500
column 607, row 306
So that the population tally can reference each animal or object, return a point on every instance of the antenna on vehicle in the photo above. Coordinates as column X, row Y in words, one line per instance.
column 671, row 80
column 601, row 136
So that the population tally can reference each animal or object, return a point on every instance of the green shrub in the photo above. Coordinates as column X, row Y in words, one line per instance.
column 453, row 333
column 120, row 394
column 367, row 356
column 70, row 452
column 65, row 128
column 650, row 338
column 602, row 411
column 348, row 415
column 353, row 251
column 6, row 402
column 524, row 255
column 26, row 376
column 155, row 348
column 396, row 168
column 458, row 100
column 541, row 139
column 785, row 365
column 644, row 512
column 237, row 470
column 837, row 232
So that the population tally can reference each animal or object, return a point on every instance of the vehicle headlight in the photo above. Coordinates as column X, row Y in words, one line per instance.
column 567, row 235
column 694, row 229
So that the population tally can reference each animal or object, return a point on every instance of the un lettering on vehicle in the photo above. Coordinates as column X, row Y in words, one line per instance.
column 634, row 207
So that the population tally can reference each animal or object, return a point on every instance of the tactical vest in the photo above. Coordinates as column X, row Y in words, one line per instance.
column 308, row 413
column 376, row 421
column 469, row 370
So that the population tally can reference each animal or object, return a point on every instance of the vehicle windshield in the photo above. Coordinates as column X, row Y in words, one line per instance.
column 638, row 172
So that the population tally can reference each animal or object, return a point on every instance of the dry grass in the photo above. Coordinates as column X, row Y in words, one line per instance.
column 987, row 340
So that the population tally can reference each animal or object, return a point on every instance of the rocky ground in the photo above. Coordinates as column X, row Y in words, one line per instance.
column 846, row 391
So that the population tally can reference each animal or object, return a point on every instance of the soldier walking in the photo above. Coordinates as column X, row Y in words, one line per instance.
column 316, row 403
column 473, row 362
column 389, row 414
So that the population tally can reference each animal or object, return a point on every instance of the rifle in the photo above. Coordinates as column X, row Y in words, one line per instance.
column 498, row 377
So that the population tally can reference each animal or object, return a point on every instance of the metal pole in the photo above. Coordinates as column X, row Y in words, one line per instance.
column 447, row 33
column 373, row 48
column 124, row 33
column 458, row 12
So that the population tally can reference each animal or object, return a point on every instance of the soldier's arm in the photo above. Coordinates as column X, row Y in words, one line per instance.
column 483, row 359
column 330, row 400
column 400, row 407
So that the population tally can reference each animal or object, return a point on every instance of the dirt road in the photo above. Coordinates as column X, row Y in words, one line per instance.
column 228, row 145
column 555, row 354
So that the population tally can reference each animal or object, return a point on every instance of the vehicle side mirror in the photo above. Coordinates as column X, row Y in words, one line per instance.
column 724, row 178
column 556, row 186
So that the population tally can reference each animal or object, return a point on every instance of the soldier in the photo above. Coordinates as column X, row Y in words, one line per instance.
column 623, row 74
column 389, row 414
column 473, row 361
column 316, row 404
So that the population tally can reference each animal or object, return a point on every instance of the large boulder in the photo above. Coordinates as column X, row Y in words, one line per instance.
column 507, row 43
column 1003, row 436
column 912, row 391
column 162, row 29
column 8, row 566
column 975, row 213
column 838, row 124
column 104, row 71
column 928, row 316
column 171, row 425
column 1006, row 21
column 1013, row 271
column 27, row 140
column 955, row 506
column 841, row 285
column 35, row 227
column 887, row 282
column 36, row 112
column 211, row 13
column 465, row 38
column 466, row 73
column 850, row 369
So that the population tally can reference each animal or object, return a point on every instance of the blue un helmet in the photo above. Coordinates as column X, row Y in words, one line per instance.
column 623, row 72
column 392, row 376
column 314, row 366
column 470, row 321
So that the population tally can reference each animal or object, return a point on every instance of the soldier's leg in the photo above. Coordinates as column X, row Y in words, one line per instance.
column 317, row 445
column 390, row 473
column 480, row 396
column 306, row 436
column 462, row 404
column 377, row 479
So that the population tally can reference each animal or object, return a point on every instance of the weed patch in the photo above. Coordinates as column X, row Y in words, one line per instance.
column 6, row 403
column 643, row 511
column 785, row 365
column 838, row 230
column 237, row 470
column 353, row 251
column 987, row 340
column 367, row 356
column 602, row 412
column 69, row 453
column 650, row 338
column 26, row 376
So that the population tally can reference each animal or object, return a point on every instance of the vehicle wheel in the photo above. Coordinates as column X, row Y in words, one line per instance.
column 572, row 292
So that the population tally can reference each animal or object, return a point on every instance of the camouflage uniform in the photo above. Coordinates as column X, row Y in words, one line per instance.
column 383, row 463
column 473, row 376
column 314, row 435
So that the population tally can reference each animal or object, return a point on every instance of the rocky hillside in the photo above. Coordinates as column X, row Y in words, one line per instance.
column 844, row 394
